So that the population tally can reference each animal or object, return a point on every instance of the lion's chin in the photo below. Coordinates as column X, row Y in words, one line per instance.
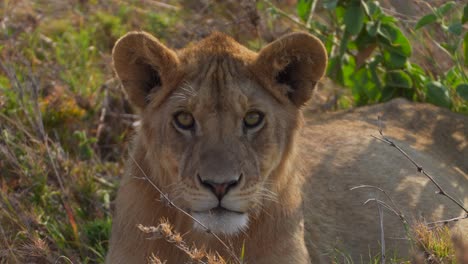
column 221, row 221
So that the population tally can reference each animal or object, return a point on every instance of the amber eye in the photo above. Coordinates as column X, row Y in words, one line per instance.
column 253, row 119
column 184, row 120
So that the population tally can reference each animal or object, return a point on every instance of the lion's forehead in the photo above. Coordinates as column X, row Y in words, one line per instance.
column 219, row 84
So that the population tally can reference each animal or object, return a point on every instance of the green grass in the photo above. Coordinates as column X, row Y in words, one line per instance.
column 57, row 181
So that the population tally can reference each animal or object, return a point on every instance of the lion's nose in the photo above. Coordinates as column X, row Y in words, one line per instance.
column 219, row 189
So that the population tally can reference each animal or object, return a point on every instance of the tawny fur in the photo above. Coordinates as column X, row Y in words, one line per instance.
column 308, row 168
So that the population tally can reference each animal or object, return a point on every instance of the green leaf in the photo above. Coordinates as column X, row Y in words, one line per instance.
column 329, row 43
column 374, row 8
column 394, row 60
column 462, row 91
column 354, row 18
column 363, row 40
column 418, row 75
column 384, row 19
column 425, row 20
column 372, row 28
column 398, row 79
column 303, row 9
column 443, row 9
column 348, row 67
column 465, row 14
column 340, row 12
column 455, row 28
column 438, row 94
column 363, row 88
column 394, row 40
column 388, row 93
column 453, row 77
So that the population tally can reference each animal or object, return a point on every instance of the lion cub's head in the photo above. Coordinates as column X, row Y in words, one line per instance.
column 218, row 120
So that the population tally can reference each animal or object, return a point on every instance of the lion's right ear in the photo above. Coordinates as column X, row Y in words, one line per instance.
column 143, row 65
column 296, row 62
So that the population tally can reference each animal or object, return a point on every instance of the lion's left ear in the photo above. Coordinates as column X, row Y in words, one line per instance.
column 144, row 65
column 295, row 62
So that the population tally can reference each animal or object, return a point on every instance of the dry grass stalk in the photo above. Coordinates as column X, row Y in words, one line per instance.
column 155, row 260
column 392, row 208
column 382, row 235
column 165, row 231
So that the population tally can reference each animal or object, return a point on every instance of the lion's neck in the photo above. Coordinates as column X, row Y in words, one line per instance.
column 288, row 181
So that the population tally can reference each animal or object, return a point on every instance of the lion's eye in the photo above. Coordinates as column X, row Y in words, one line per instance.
column 253, row 119
column 184, row 120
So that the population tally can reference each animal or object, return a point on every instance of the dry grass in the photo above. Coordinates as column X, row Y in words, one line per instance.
column 166, row 231
column 439, row 245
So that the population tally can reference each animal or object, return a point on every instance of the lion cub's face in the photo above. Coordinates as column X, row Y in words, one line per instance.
column 218, row 119
column 224, row 135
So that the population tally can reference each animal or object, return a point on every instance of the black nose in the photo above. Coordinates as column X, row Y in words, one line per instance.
column 219, row 189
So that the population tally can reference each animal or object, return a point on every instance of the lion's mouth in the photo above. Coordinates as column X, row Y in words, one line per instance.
column 221, row 220
column 219, row 210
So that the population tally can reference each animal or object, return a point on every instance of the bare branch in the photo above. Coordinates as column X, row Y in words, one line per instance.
column 444, row 222
column 420, row 169
column 172, row 204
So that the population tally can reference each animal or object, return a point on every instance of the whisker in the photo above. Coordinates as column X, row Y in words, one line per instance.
column 188, row 88
column 268, row 195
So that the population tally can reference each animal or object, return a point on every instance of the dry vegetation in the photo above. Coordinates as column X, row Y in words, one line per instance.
column 65, row 123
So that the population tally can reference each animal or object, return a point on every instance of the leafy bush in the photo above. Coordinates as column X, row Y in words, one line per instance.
column 370, row 54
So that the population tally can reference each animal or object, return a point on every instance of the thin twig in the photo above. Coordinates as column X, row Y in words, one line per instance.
column 395, row 207
column 420, row 169
column 172, row 204
column 443, row 222
column 382, row 203
column 382, row 234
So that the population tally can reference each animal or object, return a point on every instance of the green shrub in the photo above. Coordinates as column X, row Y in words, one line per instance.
column 370, row 54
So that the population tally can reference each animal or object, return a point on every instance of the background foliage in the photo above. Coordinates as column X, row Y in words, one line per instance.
column 370, row 51
column 65, row 123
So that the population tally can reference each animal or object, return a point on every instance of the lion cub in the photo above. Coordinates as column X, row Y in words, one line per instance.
column 222, row 135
